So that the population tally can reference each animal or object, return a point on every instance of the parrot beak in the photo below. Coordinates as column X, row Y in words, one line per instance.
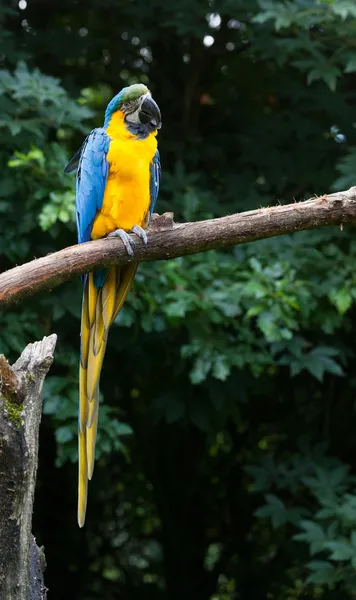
column 150, row 113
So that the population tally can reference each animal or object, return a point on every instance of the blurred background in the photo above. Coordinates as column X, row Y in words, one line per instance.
column 227, row 446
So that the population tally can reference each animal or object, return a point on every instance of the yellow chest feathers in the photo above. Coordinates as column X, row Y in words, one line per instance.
column 127, row 191
column 128, row 154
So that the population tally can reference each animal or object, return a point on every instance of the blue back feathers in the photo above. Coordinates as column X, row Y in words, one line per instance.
column 92, row 174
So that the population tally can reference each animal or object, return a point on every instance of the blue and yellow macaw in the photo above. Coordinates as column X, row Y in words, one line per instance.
column 118, row 174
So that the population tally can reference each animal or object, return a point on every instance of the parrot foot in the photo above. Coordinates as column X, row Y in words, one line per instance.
column 125, row 238
column 140, row 233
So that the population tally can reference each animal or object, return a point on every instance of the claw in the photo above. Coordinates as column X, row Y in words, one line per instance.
column 128, row 242
column 140, row 233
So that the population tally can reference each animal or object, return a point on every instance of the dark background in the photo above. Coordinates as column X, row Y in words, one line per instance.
column 226, row 452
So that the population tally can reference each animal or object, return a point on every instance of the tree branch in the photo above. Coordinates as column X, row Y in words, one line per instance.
column 170, row 240
column 21, row 562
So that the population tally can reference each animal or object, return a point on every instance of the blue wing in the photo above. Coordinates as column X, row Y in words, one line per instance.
column 155, row 176
column 93, row 168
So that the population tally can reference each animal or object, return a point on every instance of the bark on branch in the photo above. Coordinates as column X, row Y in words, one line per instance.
column 21, row 562
column 170, row 240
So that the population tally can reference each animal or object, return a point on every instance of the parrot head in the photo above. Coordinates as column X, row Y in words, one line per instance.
column 141, row 113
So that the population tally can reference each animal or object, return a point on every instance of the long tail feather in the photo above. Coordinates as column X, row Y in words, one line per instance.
column 109, row 298
column 91, row 433
column 83, row 478
column 124, row 283
column 100, row 308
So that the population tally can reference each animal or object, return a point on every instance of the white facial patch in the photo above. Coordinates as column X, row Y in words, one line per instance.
column 132, row 108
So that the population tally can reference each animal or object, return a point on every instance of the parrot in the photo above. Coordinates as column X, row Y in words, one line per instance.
column 118, row 173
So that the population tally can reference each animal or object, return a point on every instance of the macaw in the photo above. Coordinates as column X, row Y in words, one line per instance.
column 117, row 183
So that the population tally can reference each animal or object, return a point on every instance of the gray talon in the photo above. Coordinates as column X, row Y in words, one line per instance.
column 140, row 233
column 128, row 242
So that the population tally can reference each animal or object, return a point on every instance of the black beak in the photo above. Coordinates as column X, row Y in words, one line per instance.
column 150, row 113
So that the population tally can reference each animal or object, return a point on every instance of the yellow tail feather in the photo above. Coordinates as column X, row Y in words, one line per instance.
column 124, row 281
column 98, row 329
column 99, row 311
column 91, row 298
column 83, row 478
column 109, row 298
column 83, row 403
column 84, row 332
column 91, row 433
column 95, row 361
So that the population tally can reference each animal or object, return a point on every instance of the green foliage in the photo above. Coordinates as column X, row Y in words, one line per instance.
column 60, row 399
column 228, row 301
column 329, row 501
column 31, row 103
column 330, row 22
column 219, row 361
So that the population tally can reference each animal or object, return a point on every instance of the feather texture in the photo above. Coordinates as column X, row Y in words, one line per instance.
column 110, row 300
column 117, row 185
